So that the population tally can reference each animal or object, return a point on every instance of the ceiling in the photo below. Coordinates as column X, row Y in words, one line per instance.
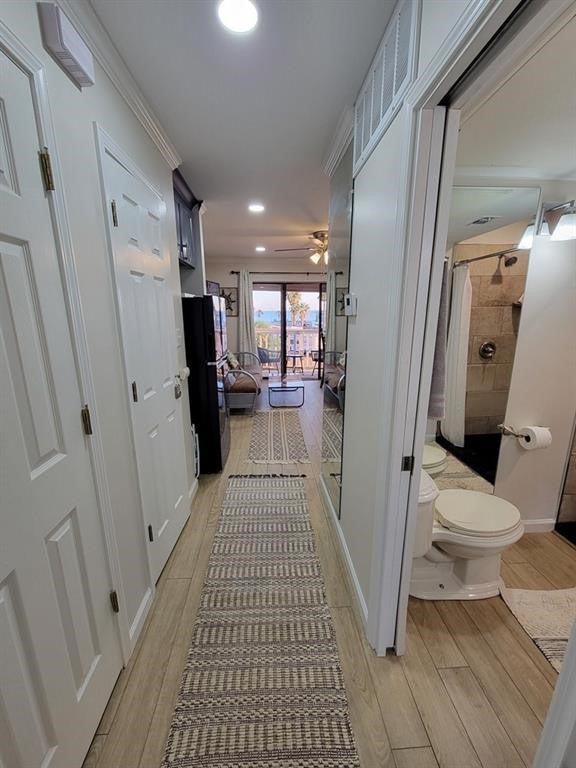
column 522, row 137
column 251, row 116
column 507, row 204
column 525, row 130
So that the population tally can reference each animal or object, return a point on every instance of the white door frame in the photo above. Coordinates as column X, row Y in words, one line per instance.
column 16, row 50
column 395, row 526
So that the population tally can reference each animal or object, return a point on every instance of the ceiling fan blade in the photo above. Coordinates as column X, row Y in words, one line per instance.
column 280, row 250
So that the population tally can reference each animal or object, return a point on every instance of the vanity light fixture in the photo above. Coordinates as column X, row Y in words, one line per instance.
column 527, row 239
column 566, row 227
column 238, row 16
column 256, row 208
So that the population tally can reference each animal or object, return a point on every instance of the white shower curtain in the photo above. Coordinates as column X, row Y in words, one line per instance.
column 452, row 427
column 330, row 324
column 246, row 329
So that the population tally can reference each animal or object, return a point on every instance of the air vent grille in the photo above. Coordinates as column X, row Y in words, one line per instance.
column 391, row 73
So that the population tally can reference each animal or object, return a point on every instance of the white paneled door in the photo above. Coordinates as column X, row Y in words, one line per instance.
column 145, row 303
column 59, row 645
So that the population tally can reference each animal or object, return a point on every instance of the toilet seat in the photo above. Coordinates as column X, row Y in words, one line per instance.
column 475, row 513
column 434, row 459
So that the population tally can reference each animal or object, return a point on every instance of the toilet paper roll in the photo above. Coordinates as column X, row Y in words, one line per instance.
column 532, row 438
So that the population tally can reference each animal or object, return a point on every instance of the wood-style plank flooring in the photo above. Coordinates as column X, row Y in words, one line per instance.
column 472, row 690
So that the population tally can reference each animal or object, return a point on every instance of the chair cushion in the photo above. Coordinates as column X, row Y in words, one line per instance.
column 232, row 360
column 243, row 383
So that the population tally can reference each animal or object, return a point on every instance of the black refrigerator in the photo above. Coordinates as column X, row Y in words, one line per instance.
column 206, row 348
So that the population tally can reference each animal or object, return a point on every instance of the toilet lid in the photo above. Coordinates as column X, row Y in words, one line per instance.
column 433, row 456
column 475, row 512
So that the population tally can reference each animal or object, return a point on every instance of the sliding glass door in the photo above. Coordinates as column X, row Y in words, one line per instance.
column 288, row 321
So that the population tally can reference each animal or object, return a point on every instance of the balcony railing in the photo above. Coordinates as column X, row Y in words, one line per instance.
column 299, row 341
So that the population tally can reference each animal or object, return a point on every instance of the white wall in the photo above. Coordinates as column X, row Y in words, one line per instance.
column 372, row 343
column 543, row 386
column 74, row 113
column 438, row 18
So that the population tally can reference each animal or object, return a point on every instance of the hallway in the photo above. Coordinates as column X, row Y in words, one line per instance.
column 472, row 690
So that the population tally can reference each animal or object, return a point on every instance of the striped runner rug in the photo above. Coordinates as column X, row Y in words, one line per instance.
column 262, row 686
column 332, row 434
column 277, row 438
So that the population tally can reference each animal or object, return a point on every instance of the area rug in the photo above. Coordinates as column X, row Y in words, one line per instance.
column 546, row 615
column 331, row 434
column 262, row 686
column 277, row 438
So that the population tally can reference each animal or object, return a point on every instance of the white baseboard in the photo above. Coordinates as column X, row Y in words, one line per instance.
column 351, row 573
column 140, row 618
column 541, row 525
column 193, row 490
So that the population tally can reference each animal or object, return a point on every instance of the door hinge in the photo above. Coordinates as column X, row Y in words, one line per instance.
column 134, row 392
column 46, row 169
column 150, row 533
column 114, row 601
column 408, row 464
column 86, row 420
column 114, row 213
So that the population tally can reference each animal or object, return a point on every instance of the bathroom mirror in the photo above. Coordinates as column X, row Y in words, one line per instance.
column 336, row 327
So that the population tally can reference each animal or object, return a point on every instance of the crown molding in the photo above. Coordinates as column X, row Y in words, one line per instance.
column 340, row 141
column 89, row 26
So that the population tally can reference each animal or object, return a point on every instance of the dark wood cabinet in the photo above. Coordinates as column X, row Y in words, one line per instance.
column 187, row 222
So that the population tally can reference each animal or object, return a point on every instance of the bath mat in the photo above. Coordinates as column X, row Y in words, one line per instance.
column 331, row 435
column 277, row 438
column 546, row 615
column 262, row 686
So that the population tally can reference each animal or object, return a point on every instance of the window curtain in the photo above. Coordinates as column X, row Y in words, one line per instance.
column 246, row 329
column 453, row 425
column 330, row 325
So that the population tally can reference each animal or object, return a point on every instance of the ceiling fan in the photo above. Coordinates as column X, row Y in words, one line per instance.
column 319, row 249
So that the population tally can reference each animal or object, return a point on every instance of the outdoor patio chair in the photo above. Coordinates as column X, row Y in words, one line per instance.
column 269, row 359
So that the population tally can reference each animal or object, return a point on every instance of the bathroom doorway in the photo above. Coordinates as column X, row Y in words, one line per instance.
column 484, row 255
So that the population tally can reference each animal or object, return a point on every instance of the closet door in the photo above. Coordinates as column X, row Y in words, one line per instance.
column 59, row 646
column 145, row 304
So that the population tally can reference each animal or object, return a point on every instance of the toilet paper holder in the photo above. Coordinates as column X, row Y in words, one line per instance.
column 508, row 430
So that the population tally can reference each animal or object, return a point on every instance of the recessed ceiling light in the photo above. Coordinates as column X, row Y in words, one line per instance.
column 238, row 16
column 256, row 208
column 260, row 248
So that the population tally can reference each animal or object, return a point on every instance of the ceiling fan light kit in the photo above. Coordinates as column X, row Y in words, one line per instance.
column 319, row 250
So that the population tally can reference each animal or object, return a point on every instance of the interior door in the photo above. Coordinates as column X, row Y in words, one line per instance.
column 430, row 212
column 145, row 302
column 60, row 652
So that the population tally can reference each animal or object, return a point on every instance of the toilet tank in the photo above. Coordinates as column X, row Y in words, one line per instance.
column 426, row 499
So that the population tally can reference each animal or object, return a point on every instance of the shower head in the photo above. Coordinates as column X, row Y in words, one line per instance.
column 509, row 260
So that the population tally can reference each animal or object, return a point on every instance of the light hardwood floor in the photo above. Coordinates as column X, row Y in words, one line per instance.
column 472, row 690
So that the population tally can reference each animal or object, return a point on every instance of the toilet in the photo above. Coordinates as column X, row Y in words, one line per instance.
column 460, row 536
column 434, row 459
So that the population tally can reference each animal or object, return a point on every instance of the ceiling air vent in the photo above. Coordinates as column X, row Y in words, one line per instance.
column 483, row 220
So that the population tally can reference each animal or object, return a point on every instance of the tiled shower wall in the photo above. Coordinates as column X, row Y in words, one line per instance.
column 494, row 317
column 568, row 504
